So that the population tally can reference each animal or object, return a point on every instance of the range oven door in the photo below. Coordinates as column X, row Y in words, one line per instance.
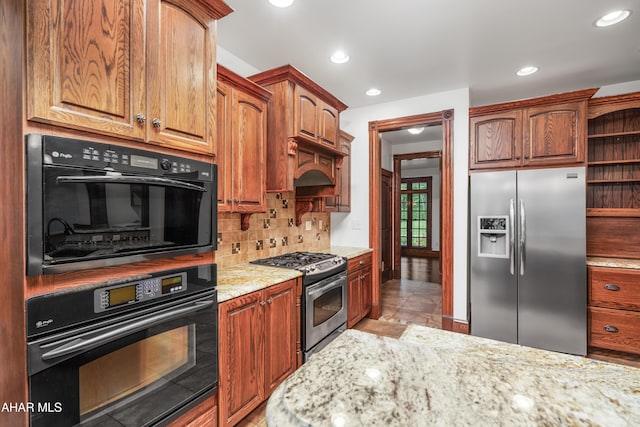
column 133, row 372
column 325, row 308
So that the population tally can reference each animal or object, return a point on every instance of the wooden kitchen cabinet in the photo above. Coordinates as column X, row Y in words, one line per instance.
column 90, row 66
column 546, row 131
column 342, row 201
column 303, row 123
column 240, row 145
column 259, row 333
column 614, row 309
column 358, row 288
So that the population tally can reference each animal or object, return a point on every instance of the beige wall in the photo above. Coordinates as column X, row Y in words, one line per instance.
column 271, row 233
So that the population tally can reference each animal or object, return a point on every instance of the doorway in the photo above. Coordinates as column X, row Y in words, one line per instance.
column 445, row 120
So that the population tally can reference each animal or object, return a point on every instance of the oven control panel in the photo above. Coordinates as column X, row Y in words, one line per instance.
column 109, row 297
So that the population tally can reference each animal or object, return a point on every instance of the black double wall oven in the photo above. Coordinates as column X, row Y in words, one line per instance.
column 132, row 351
column 93, row 205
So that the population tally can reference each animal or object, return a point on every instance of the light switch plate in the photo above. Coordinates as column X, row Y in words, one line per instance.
column 307, row 225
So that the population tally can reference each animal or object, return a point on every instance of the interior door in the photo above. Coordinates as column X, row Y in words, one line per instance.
column 386, row 226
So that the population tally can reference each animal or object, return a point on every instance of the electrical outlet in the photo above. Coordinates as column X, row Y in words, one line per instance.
column 355, row 224
column 307, row 225
column 320, row 224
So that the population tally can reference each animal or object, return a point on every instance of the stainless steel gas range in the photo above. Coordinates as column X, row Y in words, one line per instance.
column 324, row 299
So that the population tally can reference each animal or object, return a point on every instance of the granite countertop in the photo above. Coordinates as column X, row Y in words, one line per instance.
column 435, row 377
column 614, row 262
column 348, row 251
column 241, row 279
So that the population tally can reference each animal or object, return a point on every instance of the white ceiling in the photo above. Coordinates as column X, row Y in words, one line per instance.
column 408, row 48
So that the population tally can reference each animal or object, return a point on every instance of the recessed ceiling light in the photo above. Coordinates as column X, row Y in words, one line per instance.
column 415, row 131
column 339, row 57
column 613, row 18
column 373, row 92
column 526, row 71
column 281, row 3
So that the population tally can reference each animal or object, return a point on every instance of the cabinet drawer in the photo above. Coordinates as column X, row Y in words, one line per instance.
column 614, row 329
column 359, row 262
column 614, row 288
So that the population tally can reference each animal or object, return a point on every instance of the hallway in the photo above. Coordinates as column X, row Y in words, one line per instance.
column 417, row 296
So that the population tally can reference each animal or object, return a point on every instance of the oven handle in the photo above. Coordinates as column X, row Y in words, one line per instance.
column 120, row 179
column 333, row 284
column 83, row 344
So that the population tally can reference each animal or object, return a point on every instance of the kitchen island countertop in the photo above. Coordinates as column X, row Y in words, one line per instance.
column 435, row 377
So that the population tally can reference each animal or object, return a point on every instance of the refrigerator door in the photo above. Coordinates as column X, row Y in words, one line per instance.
column 493, row 276
column 552, row 294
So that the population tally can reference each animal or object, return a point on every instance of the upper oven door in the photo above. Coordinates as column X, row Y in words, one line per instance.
column 127, row 373
column 89, row 215
column 325, row 308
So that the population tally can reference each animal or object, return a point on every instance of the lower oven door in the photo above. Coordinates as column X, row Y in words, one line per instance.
column 325, row 308
column 132, row 373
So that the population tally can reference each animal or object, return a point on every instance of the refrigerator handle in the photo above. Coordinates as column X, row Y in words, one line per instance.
column 512, row 246
column 523, row 236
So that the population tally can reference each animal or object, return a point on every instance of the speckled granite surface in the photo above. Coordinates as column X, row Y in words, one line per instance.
column 614, row 262
column 241, row 279
column 432, row 377
column 348, row 251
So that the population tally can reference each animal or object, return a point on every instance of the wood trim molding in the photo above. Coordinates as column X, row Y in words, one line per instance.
column 607, row 104
column 449, row 324
column 227, row 76
column 579, row 95
column 445, row 119
column 216, row 8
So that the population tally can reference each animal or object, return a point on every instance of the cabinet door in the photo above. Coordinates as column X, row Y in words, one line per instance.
column 249, row 158
column 182, row 76
column 555, row 135
column 366, row 290
column 354, row 298
column 306, row 113
column 328, row 125
column 241, row 357
column 86, row 65
column 281, row 334
column 496, row 140
column 222, row 146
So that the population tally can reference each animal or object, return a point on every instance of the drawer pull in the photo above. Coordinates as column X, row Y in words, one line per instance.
column 611, row 287
column 610, row 328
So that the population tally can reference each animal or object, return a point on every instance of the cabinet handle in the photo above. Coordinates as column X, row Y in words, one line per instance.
column 611, row 287
column 517, row 157
column 156, row 122
column 229, row 200
column 140, row 118
column 610, row 328
column 361, row 262
column 270, row 300
column 262, row 303
column 237, row 200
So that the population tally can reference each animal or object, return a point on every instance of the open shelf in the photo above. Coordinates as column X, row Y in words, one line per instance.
column 614, row 212
column 613, row 162
column 613, row 134
column 613, row 181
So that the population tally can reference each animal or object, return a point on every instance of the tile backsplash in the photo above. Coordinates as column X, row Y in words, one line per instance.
column 271, row 233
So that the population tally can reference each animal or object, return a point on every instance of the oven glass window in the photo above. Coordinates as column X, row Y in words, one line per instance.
column 116, row 378
column 87, row 215
column 327, row 305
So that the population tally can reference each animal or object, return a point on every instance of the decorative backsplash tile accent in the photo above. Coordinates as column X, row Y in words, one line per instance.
column 270, row 233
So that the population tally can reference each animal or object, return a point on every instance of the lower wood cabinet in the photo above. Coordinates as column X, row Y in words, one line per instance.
column 614, row 309
column 203, row 415
column 358, row 289
column 259, row 334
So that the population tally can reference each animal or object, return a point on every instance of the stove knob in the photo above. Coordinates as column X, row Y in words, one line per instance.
column 165, row 164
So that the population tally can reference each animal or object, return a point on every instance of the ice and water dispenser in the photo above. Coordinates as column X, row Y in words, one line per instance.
column 493, row 236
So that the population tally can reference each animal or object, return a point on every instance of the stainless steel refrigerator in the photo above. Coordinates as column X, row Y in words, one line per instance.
column 528, row 258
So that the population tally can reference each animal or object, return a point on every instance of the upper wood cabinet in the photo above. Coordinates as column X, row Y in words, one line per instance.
column 342, row 201
column 258, row 338
column 240, row 145
column 90, row 66
column 536, row 132
column 301, row 113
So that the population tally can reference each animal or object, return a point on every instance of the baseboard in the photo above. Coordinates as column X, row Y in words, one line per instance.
column 450, row 324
